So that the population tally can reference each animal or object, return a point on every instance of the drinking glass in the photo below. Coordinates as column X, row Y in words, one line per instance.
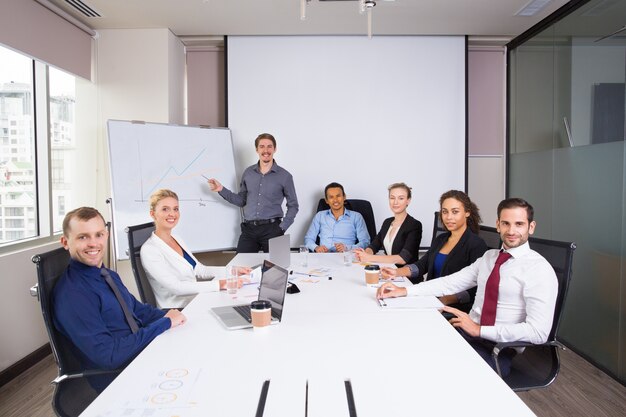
column 304, row 254
column 347, row 258
column 232, row 280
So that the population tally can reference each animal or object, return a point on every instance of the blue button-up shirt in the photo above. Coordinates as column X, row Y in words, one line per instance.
column 86, row 311
column 261, row 195
column 349, row 229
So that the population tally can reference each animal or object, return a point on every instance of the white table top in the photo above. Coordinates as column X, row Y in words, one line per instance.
column 400, row 363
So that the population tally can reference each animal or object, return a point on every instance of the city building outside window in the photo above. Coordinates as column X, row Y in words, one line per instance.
column 17, row 149
column 62, row 142
column 23, row 214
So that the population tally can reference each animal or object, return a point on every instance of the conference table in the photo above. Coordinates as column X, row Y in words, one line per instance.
column 400, row 362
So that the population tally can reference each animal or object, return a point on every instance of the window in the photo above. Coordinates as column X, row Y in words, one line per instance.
column 14, row 235
column 14, row 224
column 61, row 205
column 16, row 107
column 58, row 171
column 62, row 102
column 28, row 192
column 14, row 211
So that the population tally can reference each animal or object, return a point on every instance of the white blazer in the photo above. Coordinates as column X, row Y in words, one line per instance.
column 173, row 279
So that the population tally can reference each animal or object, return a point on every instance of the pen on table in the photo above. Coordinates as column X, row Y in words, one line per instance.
column 300, row 273
column 205, row 177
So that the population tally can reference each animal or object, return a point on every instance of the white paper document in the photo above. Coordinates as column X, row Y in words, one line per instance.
column 411, row 303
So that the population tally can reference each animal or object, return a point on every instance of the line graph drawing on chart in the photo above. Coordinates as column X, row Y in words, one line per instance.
column 178, row 169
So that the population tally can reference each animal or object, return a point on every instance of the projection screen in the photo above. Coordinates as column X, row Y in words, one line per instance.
column 362, row 112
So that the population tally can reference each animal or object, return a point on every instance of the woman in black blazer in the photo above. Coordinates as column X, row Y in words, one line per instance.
column 452, row 250
column 400, row 235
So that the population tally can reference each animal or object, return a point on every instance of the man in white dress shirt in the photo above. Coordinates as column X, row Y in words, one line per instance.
column 524, row 297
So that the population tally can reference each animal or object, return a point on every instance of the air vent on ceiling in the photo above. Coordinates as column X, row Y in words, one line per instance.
column 533, row 7
column 83, row 8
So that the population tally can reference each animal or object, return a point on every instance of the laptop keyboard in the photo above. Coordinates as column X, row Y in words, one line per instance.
column 244, row 311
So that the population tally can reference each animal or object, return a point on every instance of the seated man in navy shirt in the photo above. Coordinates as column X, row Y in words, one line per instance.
column 86, row 309
column 339, row 229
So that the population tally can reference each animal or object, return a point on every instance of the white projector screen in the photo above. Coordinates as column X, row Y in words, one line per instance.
column 362, row 112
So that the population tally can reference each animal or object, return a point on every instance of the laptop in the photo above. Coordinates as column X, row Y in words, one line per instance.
column 272, row 288
column 280, row 250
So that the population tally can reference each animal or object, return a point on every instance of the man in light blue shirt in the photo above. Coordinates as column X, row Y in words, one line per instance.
column 338, row 228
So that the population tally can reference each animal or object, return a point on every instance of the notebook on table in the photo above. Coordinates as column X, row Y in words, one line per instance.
column 272, row 288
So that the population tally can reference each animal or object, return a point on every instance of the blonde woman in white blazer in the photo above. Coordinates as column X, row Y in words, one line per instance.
column 171, row 268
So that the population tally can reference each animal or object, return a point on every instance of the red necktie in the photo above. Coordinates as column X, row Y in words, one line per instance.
column 488, row 315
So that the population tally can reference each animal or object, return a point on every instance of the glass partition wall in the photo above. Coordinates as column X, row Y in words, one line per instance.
column 566, row 156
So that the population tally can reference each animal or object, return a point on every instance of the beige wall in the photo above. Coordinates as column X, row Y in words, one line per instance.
column 21, row 323
column 486, row 185
column 487, row 133
column 206, row 88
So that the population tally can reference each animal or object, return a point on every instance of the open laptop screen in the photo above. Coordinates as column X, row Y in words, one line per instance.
column 273, row 286
column 280, row 250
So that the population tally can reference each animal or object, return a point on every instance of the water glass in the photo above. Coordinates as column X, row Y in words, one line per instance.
column 232, row 280
column 304, row 254
column 347, row 258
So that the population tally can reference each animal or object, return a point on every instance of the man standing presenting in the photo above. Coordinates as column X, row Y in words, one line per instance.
column 516, row 294
column 92, row 307
column 263, row 187
column 338, row 228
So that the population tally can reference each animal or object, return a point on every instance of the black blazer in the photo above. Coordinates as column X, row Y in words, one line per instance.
column 407, row 240
column 469, row 248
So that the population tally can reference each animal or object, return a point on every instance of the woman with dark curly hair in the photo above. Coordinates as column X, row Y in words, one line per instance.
column 452, row 250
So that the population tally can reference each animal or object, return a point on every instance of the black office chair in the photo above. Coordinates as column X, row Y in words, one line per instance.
column 72, row 392
column 137, row 236
column 538, row 365
column 438, row 227
column 491, row 236
column 364, row 207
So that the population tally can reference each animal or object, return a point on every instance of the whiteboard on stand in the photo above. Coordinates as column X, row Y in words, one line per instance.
column 145, row 157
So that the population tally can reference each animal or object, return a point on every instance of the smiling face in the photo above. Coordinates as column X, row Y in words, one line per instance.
column 165, row 214
column 514, row 227
column 453, row 215
column 86, row 240
column 398, row 200
column 265, row 150
column 335, row 198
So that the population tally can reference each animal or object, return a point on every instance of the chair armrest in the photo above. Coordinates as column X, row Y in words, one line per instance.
column 91, row 372
column 499, row 347
column 510, row 345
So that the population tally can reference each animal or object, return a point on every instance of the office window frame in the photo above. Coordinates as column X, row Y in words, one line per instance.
column 42, row 164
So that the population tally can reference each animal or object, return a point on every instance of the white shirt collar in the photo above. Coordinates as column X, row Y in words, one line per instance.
column 518, row 251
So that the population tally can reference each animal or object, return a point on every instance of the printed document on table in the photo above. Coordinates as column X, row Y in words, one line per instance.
column 411, row 303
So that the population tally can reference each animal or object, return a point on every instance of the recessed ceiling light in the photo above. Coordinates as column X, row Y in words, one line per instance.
column 533, row 7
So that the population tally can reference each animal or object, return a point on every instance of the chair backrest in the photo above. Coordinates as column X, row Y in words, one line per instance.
column 50, row 266
column 364, row 207
column 438, row 227
column 561, row 256
column 491, row 236
column 137, row 236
